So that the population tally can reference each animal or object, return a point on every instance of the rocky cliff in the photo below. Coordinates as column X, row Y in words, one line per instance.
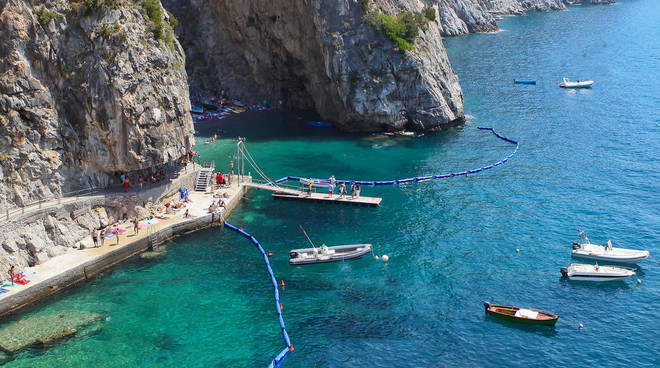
column 469, row 16
column 87, row 89
column 320, row 55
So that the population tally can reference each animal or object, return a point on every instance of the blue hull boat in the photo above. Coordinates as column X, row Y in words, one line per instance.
column 524, row 81
column 321, row 124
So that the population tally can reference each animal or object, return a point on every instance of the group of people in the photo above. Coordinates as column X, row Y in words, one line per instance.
column 355, row 188
column 154, row 177
column 98, row 237
column 17, row 277
column 212, row 139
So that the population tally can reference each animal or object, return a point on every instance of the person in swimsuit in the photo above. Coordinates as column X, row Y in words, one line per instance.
column 11, row 275
column 102, row 237
column 136, row 226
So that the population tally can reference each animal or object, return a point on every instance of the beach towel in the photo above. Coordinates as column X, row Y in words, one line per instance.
column 153, row 221
column 161, row 217
column 21, row 281
column 6, row 283
column 3, row 290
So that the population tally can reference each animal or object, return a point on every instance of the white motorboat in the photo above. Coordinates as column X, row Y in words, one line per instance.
column 566, row 83
column 325, row 253
column 590, row 272
column 584, row 249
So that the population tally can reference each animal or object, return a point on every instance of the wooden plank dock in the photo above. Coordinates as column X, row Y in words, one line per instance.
column 293, row 194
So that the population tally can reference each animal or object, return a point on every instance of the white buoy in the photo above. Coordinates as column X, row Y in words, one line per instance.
column 639, row 281
column 517, row 250
column 580, row 325
column 376, row 257
column 385, row 258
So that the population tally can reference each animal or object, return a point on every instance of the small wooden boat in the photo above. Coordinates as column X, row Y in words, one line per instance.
column 589, row 272
column 521, row 315
column 584, row 249
column 566, row 83
column 524, row 81
column 324, row 253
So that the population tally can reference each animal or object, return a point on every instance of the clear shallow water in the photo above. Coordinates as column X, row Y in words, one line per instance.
column 587, row 158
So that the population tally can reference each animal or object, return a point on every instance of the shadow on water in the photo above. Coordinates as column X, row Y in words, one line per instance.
column 546, row 331
column 604, row 285
column 166, row 342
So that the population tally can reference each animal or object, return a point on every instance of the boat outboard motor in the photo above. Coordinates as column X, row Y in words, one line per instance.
column 564, row 271
column 293, row 255
column 576, row 246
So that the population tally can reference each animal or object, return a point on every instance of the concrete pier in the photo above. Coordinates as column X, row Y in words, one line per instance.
column 78, row 266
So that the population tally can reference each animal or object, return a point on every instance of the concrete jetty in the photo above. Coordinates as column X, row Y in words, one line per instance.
column 78, row 266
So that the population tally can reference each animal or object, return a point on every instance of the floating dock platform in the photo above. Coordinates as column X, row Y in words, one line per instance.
column 293, row 194
column 325, row 198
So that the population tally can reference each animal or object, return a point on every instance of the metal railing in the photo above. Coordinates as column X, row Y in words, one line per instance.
column 13, row 213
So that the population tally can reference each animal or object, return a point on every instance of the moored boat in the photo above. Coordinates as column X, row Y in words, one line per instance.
column 196, row 109
column 589, row 272
column 584, row 249
column 566, row 83
column 325, row 254
column 524, row 81
column 320, row 124
column 521, row 315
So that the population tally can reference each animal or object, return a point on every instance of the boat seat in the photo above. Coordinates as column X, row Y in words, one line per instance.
column 526, row 313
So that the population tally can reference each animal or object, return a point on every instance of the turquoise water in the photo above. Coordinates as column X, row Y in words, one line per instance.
column 588, row 159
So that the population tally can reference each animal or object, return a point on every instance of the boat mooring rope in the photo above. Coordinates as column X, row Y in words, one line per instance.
column 278, row 306
column 428, row 177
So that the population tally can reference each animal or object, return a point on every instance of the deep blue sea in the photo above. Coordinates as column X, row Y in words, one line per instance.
column 588, row 159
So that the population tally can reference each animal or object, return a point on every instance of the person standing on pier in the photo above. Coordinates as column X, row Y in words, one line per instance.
column 140, row 182
column 136, row 226
column 95, row 238
column 353, row 189
column 310, row 184
column 331, row 188
column 357, row 189
column 116, row 231
column 342, row 190
column 126, row 184
column 102, row 236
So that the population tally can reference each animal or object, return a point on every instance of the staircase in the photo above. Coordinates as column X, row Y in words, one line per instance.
column 153, row 238
column 204, row 178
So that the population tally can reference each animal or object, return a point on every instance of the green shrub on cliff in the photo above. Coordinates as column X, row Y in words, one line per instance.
column 162, row 30
column 402, row 29
column 429, row 13
column 44, row 15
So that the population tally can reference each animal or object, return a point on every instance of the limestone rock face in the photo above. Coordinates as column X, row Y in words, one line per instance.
column 85, row 91
column 320, row 55
column 469, row 16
